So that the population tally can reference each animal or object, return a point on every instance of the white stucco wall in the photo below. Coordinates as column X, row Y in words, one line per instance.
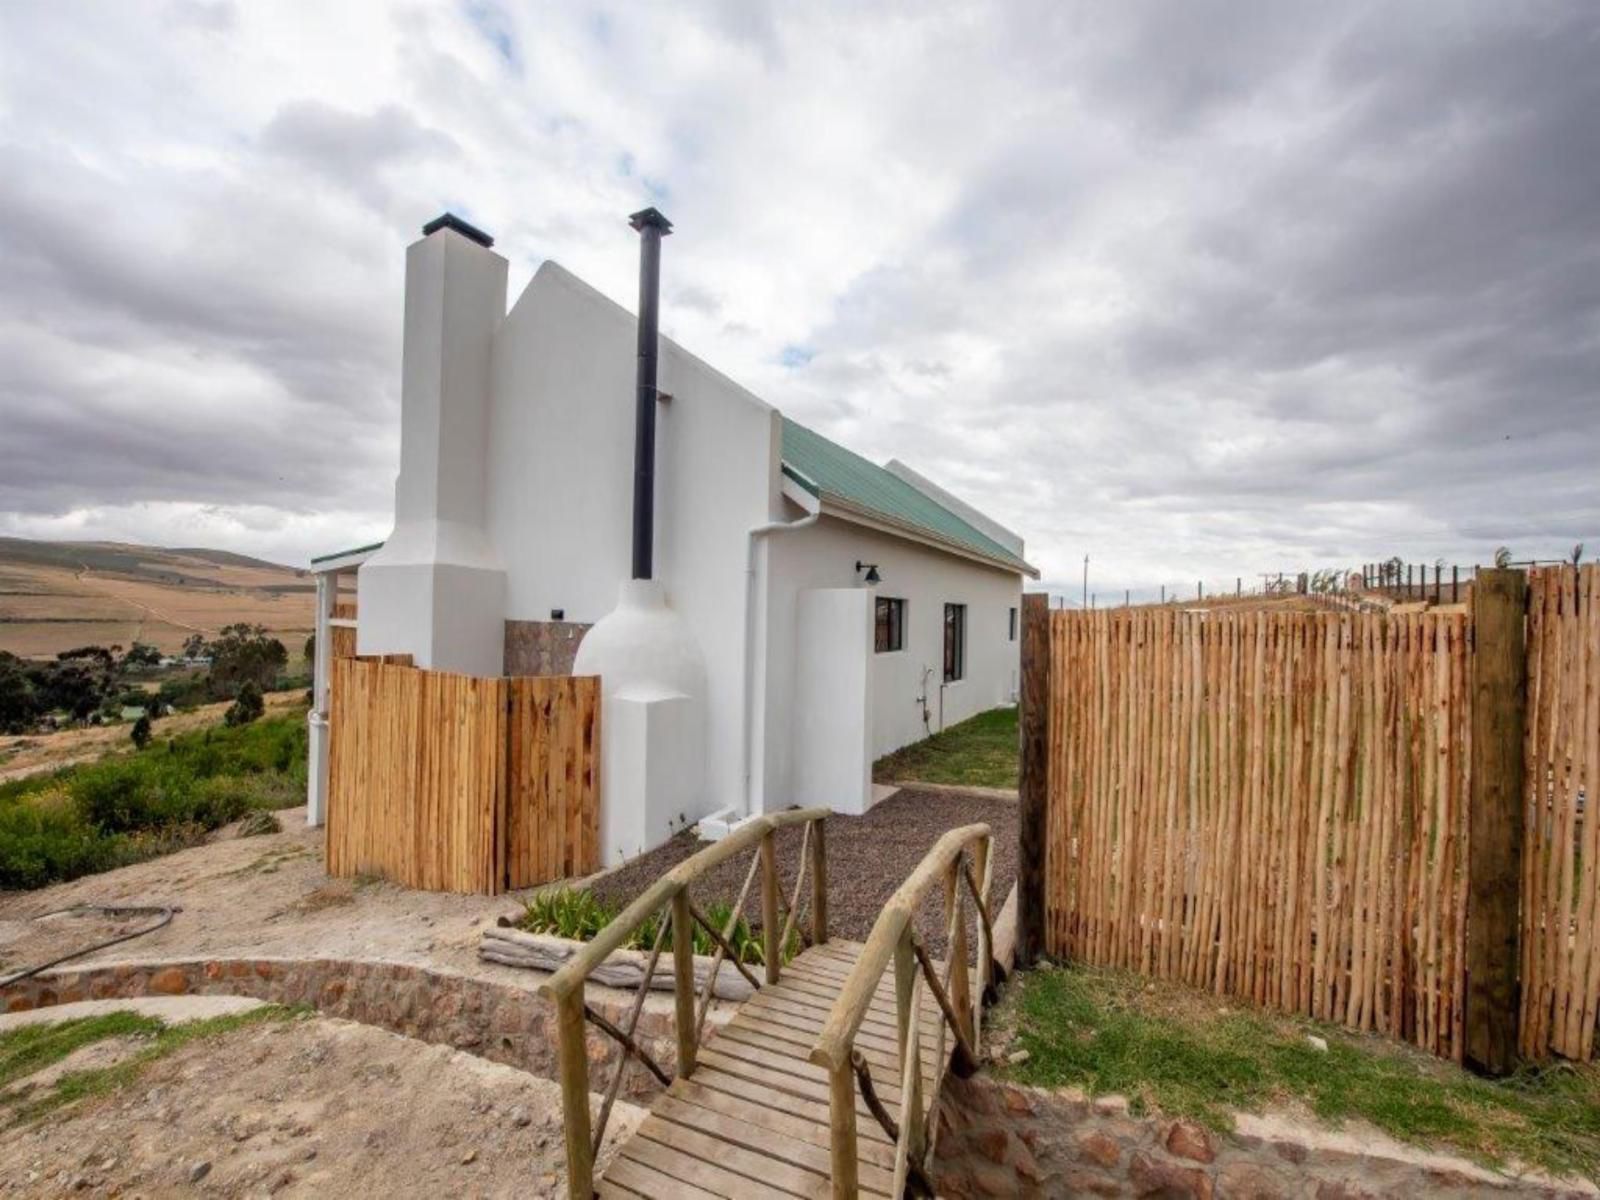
column 832, row 728
column 825, row 556
column 560, row 486
column 435, row 590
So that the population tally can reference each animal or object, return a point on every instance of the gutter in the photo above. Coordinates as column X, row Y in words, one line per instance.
column 795, row 490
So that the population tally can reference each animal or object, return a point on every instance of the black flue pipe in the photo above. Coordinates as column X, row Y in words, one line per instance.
column 652, row 227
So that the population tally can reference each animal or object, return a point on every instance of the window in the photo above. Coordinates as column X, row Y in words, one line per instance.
column 1011, row 627
column 889, row 631
column 955, row 642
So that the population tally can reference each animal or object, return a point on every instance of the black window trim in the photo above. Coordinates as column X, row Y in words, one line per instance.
column 955, row 642
column 896, row 624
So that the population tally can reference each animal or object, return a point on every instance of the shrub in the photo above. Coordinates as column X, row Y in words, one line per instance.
column 92, row 818
column 246, row 708
column 140, row 733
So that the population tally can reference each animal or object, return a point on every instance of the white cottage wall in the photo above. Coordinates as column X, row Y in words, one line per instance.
column 560, row 486
column 825, row 555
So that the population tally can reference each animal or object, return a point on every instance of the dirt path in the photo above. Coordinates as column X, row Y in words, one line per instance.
column 311, row 1107
column 33, row 754
column 258, row 896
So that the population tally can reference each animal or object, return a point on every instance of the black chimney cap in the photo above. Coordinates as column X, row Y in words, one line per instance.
column 450, row 221
column 650, row 216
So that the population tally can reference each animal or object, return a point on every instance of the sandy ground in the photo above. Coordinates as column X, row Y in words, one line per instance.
column 31, row 754
column 263, row 896
column 309, row 1107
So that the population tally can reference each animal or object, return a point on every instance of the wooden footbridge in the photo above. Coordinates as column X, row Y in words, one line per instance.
column 825, row 1080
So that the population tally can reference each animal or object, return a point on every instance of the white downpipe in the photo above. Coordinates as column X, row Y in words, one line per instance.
column 750, row 592
column 317, row 718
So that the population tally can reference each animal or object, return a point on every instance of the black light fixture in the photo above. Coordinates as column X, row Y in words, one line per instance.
column 871, row 569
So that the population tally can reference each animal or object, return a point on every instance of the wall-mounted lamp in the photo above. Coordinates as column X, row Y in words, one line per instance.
column 870, row 568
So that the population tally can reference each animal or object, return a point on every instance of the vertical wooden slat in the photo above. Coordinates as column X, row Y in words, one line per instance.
column 1033, row 783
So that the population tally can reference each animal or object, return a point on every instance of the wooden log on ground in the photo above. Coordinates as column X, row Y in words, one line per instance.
column 621, row 969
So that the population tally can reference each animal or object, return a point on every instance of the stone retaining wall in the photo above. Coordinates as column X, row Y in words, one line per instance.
column 497, row 1021
column 999, row 1139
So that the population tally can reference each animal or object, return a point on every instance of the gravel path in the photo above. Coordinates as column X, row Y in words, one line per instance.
column 868, row 858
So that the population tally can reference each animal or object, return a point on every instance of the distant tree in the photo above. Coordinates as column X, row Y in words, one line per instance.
column 310, row 652
column 1502, row 556
column 194, row 646
column 245, row 654
column 140, row 733
column 246, row 708
column 19, row 703
column 1577, row 554
column 141, row 656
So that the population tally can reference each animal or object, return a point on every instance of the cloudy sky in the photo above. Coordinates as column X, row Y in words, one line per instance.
column 1198, row 289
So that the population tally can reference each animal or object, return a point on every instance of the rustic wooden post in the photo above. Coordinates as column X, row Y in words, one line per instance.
column 771, row 926
column 819, row 883
column 1455, row 585
column 683, row 979
column 1033, row 784
column 842, row 1131
column 574, row 1059
column 1494, row 817
column 960, row 980
column 908, row 1026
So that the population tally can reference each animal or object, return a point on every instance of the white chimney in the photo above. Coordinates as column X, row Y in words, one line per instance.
column 436, row 590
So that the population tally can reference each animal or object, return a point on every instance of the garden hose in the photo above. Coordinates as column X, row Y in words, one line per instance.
column 164, row 914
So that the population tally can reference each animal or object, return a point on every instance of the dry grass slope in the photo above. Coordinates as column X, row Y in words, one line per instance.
column 57, row 595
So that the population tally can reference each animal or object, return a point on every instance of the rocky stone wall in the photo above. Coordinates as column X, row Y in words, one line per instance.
column 497, row 1021
column 999, row 1139
column 542, row 647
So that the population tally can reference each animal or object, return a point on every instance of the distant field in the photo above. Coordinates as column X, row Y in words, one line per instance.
column 58, row 595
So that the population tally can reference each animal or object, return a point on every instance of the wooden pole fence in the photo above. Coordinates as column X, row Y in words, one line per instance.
column 1376, row 818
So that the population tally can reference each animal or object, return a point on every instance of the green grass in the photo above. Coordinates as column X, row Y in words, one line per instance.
column 1187, row 1053
column 979, row 752
column 130, row 807
column 34, row 1047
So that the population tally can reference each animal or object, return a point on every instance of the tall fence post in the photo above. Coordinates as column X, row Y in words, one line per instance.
column 1033, row 784
column 1494, row 817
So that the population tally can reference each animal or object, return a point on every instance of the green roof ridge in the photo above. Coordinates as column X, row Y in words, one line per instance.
column 864, row 484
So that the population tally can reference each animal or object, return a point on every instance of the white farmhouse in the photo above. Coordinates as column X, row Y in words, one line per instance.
column 800, row 611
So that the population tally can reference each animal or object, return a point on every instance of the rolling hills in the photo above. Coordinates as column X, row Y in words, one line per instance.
column 58, row 595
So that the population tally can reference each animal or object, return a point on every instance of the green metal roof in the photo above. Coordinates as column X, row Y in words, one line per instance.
column 346, row 553
column 827, row 470
column 846, row 476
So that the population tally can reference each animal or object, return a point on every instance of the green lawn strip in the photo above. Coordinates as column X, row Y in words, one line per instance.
column 30, row 1048
column 979, row 752
column 1186, row 1053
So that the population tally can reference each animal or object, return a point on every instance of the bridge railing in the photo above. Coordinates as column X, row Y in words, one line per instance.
column 668, row 899
column 961, row 862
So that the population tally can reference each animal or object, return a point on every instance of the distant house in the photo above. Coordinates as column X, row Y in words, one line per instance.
column 803, row 612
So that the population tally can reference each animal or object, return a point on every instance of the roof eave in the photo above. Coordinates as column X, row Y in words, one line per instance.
column 343, row 560
column 837, row 506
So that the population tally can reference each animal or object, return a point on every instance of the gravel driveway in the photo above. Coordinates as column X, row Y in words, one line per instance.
column 868, row 858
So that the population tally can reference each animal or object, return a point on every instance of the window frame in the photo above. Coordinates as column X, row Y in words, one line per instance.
column 889, row 614
column 955, row 643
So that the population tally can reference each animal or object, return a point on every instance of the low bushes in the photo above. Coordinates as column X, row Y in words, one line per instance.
column 166, row 796
column 579, row 915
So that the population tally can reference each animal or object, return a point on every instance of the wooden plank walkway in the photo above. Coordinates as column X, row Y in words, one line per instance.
column 752, row 1121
